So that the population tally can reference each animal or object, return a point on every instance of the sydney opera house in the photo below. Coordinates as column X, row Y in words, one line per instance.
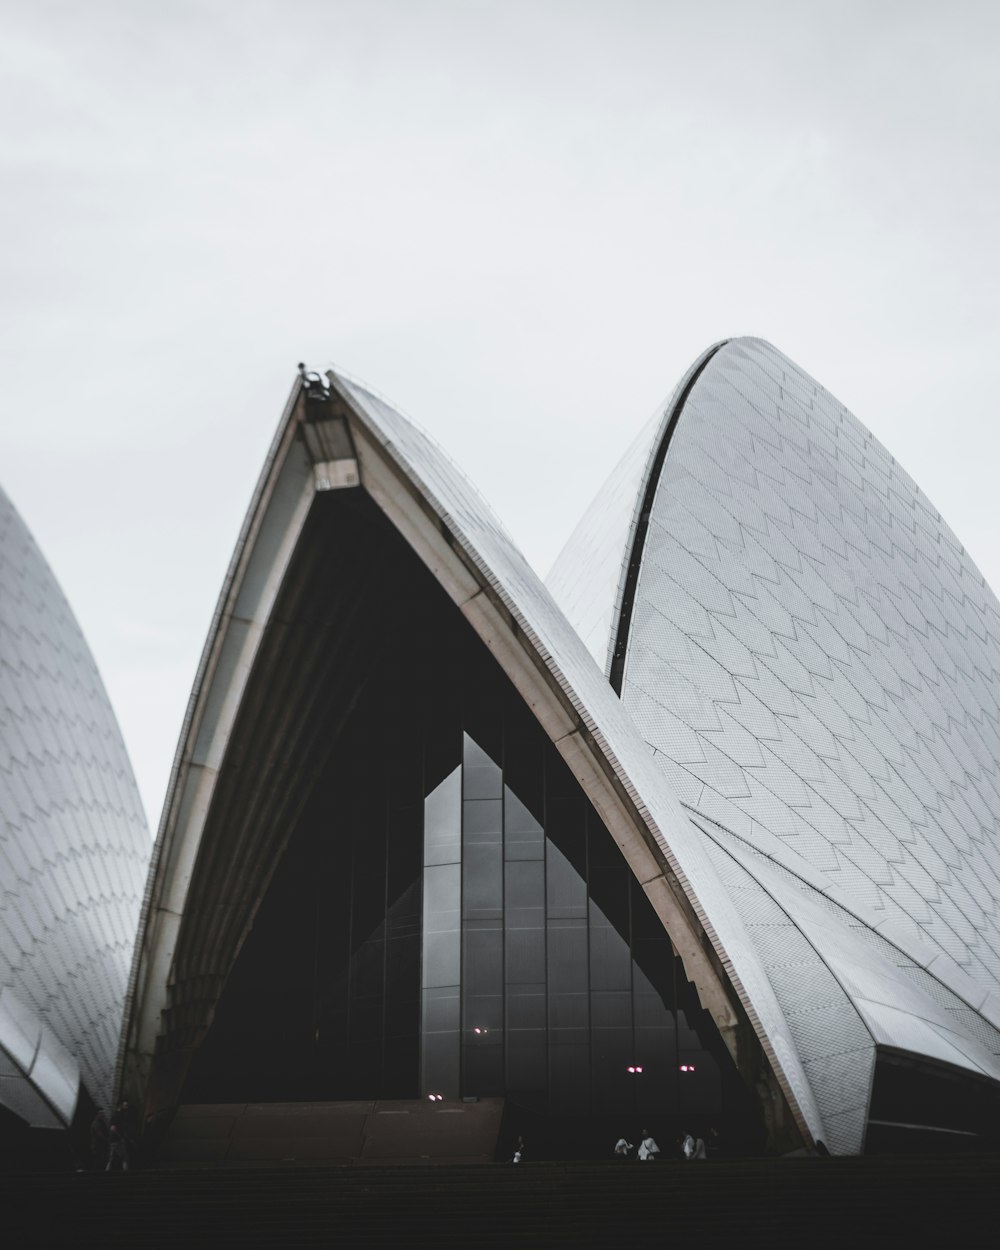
column 704, row 830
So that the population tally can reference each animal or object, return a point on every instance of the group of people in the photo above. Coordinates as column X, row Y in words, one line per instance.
column 112, row 1142
column 692, row 1148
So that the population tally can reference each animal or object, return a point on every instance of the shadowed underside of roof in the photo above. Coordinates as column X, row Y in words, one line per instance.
column 246, row 750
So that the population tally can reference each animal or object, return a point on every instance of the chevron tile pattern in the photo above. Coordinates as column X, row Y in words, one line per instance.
column 817, row 655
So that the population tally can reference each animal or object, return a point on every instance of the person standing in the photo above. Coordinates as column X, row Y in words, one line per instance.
column 117, row 1151
column 99, row 1141
column 121, row 1135
column 121, row 1119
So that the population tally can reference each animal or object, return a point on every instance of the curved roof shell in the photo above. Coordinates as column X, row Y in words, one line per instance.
column 813, row 658
column 212, row 860
column 73, row 848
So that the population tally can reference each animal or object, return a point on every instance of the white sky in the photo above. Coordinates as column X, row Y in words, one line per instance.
column 519, row 220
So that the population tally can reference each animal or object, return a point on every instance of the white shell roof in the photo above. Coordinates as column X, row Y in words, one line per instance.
column 73, row 848
column 760, row 692
column 814, row 660
column 508, row 605
column 587, row 577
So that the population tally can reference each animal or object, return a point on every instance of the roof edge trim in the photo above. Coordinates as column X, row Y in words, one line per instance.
column 194, row 714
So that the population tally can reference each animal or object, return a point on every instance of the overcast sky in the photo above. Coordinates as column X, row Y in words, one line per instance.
column 518, row 220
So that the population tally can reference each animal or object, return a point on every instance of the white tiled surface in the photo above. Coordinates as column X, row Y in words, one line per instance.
column 813, row 659
column 830, row 645
column 815, row 1004
column 587, row 577
column 73, row 839
column 584, row 580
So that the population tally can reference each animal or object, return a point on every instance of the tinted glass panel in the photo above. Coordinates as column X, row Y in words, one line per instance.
column 443, row 822
column 450, row 914
column 482, row 774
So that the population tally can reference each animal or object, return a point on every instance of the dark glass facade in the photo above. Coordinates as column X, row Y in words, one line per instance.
column 451, row 916
column 922, row 1107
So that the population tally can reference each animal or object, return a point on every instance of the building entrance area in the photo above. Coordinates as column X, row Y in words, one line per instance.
column 450, row 919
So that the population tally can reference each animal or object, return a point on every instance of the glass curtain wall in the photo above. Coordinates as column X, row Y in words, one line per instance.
column 451, row 916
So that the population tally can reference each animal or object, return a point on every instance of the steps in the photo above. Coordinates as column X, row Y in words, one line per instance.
column 383, row 1132
column 854, row 1201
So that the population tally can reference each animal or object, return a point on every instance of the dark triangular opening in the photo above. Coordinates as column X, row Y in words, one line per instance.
column 450, row 915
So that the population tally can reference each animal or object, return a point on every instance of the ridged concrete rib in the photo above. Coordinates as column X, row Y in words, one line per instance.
column 73, row 848
column 875, row 969
column 813, row 1001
